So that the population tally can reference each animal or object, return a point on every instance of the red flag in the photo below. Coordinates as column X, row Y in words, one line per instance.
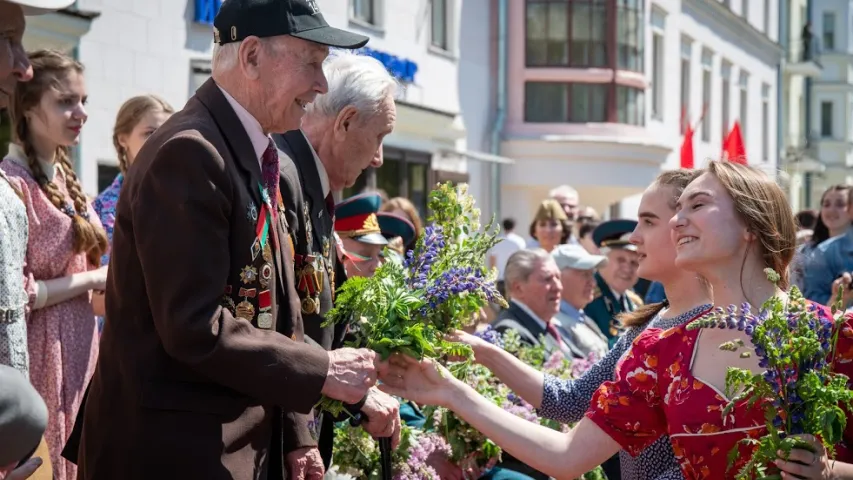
column 733, row 148
column 687, row 148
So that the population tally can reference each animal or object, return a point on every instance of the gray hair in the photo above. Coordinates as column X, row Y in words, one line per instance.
column 563, row 191
column 224, row 57
column 522, row 263
column 354, row 79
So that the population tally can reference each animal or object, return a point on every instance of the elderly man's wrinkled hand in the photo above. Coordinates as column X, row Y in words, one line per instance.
column 305, row 464
column 383, row 416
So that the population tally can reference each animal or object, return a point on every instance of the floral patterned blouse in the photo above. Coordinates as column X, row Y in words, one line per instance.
column 105, row 206
column 656, row 394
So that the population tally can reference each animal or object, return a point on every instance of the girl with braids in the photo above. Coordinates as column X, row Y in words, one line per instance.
column 65, row 242
column 137, row 119
column 567, row 400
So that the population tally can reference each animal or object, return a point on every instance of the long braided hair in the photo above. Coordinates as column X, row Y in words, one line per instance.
column 129, row 116
column 50, row 69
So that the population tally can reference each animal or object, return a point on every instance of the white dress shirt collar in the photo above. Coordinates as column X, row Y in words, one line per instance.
column 260, row 140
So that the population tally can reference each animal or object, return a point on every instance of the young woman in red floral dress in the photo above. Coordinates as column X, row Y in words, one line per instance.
column 732, row 223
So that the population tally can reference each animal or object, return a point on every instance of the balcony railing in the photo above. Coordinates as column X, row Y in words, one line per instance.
column 800, row 51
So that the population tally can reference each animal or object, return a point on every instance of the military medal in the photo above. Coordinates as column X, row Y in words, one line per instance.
column 252, row 212
column 265, row 275
column 326, row 248
column 249, row 274
column 309, row 235
column 245, row 309
column 265, row 306
column 267, row 252
column 309, row 305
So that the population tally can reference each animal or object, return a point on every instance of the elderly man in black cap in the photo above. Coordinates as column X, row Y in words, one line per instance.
column 203, row 357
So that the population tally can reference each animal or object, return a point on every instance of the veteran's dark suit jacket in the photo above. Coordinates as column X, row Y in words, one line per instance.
column 300, row 185
column 184, row 388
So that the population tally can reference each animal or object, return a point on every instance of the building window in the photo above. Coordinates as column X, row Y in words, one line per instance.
column 686, row 52
column 657, row 75
column 546, row 102
column 439, row 24
column 404, row 173
column 707, row 59
column 630, row 103
column 199, row 73
column 765, row 122
column 106, row 175
column 364, row 10
column 566, row 33
column 828, row 31
column 743, row 83
column 630, row 22
column 725, row 87
column 826, row 119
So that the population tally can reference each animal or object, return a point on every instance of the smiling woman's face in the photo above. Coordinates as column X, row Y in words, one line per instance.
column 706, row 229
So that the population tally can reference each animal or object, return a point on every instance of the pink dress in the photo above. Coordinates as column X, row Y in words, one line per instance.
column 62, row 338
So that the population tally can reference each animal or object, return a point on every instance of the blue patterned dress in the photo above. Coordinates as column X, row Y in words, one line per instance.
column 105, row 207
column 568, row 400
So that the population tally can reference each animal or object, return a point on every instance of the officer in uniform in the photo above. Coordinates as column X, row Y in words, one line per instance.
column 399, row 231
column 361, row 239
column 612, row 238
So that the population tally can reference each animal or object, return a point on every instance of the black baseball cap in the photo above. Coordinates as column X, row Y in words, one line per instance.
column 238, row 19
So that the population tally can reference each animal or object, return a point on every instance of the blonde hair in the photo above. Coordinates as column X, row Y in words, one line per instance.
column 129, row 116
column 50, row 68
column 763, row 206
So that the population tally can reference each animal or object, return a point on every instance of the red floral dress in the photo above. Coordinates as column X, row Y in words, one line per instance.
column 656, row 394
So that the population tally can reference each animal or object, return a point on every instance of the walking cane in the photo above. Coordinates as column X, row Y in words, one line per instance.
column 384, row 448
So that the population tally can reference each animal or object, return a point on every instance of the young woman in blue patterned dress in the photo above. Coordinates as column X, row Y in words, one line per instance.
column 137, row 119
column 568, row 400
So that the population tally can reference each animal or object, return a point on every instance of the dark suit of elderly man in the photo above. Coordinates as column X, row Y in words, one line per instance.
column 202, row 354
column 341, row 136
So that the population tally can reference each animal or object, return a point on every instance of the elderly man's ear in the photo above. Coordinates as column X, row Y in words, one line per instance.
column 344, row 121
column 249, row 55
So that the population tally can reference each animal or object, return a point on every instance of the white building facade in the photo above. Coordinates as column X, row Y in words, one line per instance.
column 831, row 100
column 163, row 47
column 597, row 91
column 802, row 63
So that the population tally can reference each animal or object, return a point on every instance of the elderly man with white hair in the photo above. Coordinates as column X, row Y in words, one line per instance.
column 203, row 357
column 341, row 136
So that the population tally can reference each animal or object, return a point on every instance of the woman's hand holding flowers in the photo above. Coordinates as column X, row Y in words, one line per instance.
column 424, row 382
column 477, row 344
column 806, row 464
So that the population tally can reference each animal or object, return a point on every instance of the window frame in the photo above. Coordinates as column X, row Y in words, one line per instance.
column 824, row 44
column 827, row 127
column 685, row 83
column 658, row 78
column 447, row 44
column 595, row 7
column 725, row 97
column 743, row 101
column 765, row 122
column 707, row 92
column 568, row 118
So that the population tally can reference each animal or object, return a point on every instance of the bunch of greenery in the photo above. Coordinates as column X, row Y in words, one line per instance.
column 442, row 286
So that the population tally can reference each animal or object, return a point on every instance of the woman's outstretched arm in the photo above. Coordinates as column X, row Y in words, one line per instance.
column 562, row 456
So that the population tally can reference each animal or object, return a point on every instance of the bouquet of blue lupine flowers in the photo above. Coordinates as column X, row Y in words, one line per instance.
column 795, row 343
column 442, row 285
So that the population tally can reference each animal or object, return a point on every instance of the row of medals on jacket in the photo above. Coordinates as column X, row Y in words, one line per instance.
column 309, row 276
